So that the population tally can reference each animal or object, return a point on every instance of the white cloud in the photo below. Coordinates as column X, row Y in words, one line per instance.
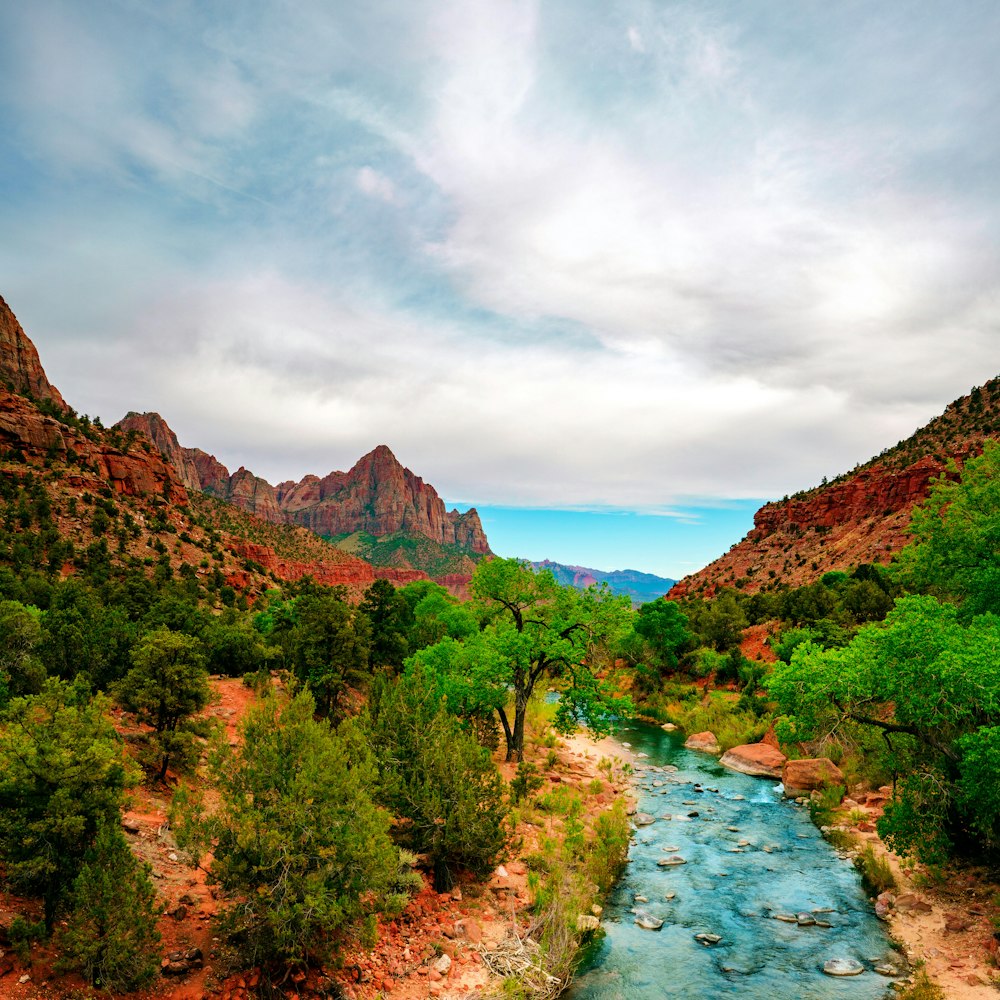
column 377, row 185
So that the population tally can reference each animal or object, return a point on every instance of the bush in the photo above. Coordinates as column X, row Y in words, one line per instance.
column 300, row 842
column 875, row 871
column 438, row 779
column 111, row 934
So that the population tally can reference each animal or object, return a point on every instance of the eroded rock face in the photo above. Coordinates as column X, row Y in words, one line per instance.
column 861, row 517
column 378, row 496
column 803, row 776
column 757, row 759
column 20, row 367
column 154, row 427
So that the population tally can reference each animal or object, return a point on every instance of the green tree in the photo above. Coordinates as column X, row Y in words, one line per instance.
column 665, row 628
column 110, row 935
column 928, row 684
column 533, row 629
column 389, row 619
column 436, row 776
column 63, row 772
column 329, row 648
column 167, row 685
column 956, row 550
column 20, row 633
column 296, row 835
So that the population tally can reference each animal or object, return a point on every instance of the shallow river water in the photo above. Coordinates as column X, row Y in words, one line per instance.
column 729, row 890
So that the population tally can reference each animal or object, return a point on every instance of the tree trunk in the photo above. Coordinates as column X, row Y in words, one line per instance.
column 516, row 751
column 162, row 776
column 507, row 734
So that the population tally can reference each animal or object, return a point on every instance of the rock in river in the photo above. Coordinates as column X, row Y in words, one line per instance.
column 643, row 819
column 648, row 922
column 758, row 759
column 705, row 741
column 843, row 967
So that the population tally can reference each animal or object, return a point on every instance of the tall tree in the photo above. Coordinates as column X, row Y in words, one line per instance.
column 390, row 620
column 62, row 774
column 534, row 629
column 167, row 685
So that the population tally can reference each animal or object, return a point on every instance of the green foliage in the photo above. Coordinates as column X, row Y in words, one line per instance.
column 329, row 648
column 876, row 873
column 534, row 628
column 389, row 619
column 110, row 935
column 20, row 633
column 62, row 774
column 526, row 782
column 956, row 532
column 929, row 683
column 437, row 778
column 664, row 627
column 298, row 839
column 167, row 685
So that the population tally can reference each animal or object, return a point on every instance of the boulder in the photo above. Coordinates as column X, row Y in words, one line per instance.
column 843, row 967
column 586, row 923
column 757, row 759
column 705, row 742
column 800, row 776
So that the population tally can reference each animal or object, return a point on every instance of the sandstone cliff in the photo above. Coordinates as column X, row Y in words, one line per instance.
column 860, row 517
column 20, row 368
column 377, row 496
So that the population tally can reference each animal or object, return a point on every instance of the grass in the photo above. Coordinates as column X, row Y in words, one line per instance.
column 875, row 871
column 923, row 989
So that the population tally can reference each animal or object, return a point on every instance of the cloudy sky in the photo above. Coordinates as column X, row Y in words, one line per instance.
column 645, row 262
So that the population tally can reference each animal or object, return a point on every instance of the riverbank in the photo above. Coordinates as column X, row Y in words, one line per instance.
column 441, row 945
column 944, row 926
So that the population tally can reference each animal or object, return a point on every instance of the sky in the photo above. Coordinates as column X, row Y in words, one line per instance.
column 613, row 271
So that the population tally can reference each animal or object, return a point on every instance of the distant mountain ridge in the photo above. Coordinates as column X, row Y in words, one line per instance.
column 861, row 516
column 641, row 587
column 376, row 499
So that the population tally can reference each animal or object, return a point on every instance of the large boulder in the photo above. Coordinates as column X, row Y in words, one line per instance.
column 757, row 759
column 803, row 776
column 705, row 741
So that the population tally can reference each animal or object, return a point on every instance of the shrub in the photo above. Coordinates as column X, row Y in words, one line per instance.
column 875, row 871
column 111, row 934
column 299, row 841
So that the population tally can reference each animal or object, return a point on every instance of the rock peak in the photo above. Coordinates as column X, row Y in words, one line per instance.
column 20, row 366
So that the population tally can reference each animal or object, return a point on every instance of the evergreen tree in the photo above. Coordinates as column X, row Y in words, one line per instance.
column 110, row 935
column 62, row 773
column 296, row 835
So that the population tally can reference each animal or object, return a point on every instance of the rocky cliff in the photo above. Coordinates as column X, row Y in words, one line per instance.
column 860, row 517
column 20, row 368
column 377, row 497
column 134, row 487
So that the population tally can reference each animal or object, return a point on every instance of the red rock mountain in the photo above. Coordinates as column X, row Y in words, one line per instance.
column 378, row 496
column 153, row 488
column 20, row 369
column 860, row 517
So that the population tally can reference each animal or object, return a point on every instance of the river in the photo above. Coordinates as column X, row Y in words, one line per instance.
column 749, row 855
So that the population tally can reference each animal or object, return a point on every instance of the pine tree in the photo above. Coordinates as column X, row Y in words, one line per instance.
column 110, row 936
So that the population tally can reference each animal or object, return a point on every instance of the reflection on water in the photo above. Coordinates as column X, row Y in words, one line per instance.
column 749, row 855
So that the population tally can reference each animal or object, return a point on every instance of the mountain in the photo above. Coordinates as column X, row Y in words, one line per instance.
column 861, row 516
column 109, row 498
column 378, row 510
column 641, row 587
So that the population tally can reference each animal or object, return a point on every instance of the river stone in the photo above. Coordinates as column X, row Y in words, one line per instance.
column 640, row 899
column 843, row 967
column 708, row 939
column 648, row 922
column 823, row 923
column 643, row 819
column 705, row 742
column 805, row 919
column 757, row 759
column 885, row 969
column 786, row 918
column 670, row 849
column 585, row 923
column 674, row 859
